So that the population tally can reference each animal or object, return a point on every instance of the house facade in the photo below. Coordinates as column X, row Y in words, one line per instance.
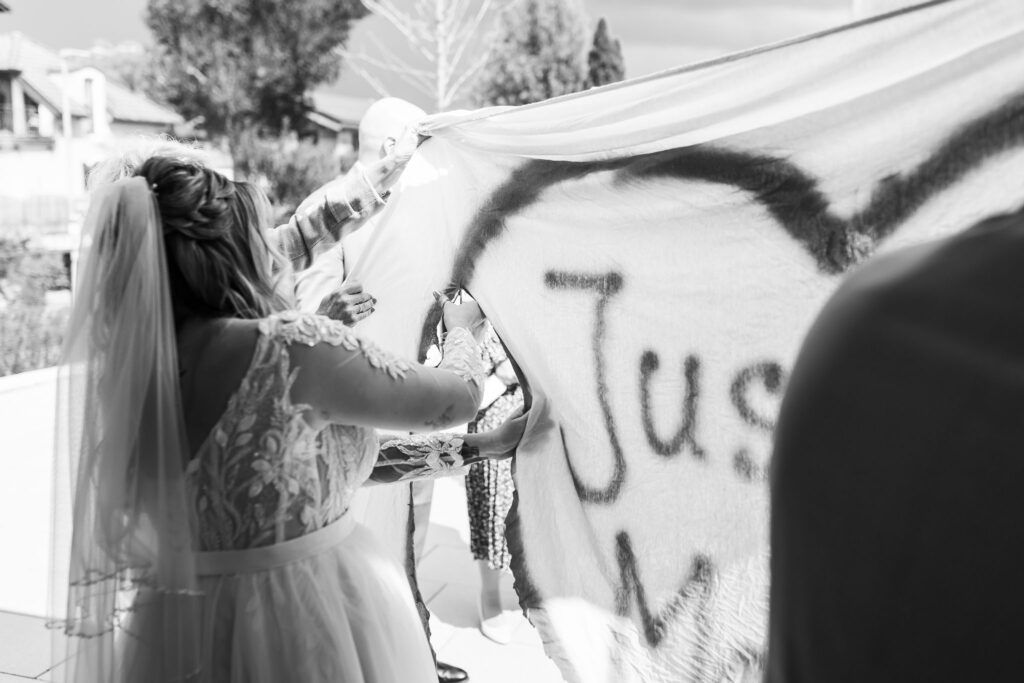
column 335, row 120
column 55, row 123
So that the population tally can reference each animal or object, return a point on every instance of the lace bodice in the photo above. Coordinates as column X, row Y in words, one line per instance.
column 264, row 475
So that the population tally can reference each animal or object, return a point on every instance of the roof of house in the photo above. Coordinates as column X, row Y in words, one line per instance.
column 327, row 122
column 18, row 53
column 331, row 107
column 36, row 64
column 128, row 106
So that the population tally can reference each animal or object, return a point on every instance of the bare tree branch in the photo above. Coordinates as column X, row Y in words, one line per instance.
column 364, row 66
column 468, row 32
column 411, row 80
column 373, row 82
column 466, row 77
column 395, row 66
column 417, row 32
column 425, row 50
column 394, row 16
column 442, row 32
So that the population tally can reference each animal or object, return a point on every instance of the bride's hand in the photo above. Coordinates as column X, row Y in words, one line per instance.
column 500, row 443
column 466, row 315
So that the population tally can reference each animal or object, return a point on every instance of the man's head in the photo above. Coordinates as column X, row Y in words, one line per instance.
column 383, row 121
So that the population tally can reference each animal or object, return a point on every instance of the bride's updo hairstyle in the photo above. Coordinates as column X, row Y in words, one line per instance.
column 219, row 263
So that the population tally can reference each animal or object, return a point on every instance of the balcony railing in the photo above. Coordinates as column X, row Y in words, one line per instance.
column 40, row 215
column 29, row 139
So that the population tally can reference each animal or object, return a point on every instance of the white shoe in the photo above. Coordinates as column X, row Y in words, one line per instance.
column 496, row 628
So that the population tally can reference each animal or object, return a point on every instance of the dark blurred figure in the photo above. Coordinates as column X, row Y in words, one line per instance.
column 898, row 480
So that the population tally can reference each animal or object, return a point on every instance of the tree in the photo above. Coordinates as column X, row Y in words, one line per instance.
column 27, row 274
column 286, row 167
column 243, row 64
column 604, row 63
column 536, row 52
column 441, row 33
column 13, row 250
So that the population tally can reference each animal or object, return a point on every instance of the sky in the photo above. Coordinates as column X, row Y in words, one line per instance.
column 655, row 34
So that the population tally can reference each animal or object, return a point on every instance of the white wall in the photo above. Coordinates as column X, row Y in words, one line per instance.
column 18, row 106
column 27, row 409
column 48, row 121
column 98, row 105
column 32, row 172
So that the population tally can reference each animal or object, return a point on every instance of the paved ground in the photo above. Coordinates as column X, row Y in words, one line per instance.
column 450, row 583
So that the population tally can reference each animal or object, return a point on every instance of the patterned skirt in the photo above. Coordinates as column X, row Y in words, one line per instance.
column 489, row 487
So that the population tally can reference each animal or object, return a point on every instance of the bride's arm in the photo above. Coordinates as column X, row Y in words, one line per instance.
column 425, row 456
column 347, row 380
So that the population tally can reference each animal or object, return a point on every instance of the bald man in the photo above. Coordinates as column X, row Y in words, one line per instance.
column 898, row 478
column 323, row 288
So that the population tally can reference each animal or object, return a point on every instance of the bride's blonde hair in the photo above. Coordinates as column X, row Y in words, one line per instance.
column 219, row 263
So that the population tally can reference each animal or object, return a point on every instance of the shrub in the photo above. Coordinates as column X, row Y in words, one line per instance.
column 30, row 337
column 31, row 333
column 287, row 168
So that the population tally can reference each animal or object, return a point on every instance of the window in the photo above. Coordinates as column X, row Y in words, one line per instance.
column 6, row 115
column 90, row 105
column 31, row 116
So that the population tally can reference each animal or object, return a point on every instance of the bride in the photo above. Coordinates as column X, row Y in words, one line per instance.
column 211, row 540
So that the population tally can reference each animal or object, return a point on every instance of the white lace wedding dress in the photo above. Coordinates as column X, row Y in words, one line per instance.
column 293, row 589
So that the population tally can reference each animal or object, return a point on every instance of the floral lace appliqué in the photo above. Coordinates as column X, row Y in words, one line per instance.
column 420, row 457
column 265, row 476
column 310, row 329
column 463, row 356
column 493, row 352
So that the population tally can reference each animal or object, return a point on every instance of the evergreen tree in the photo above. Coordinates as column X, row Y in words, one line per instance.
column 604, row 63
column 536, row 53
